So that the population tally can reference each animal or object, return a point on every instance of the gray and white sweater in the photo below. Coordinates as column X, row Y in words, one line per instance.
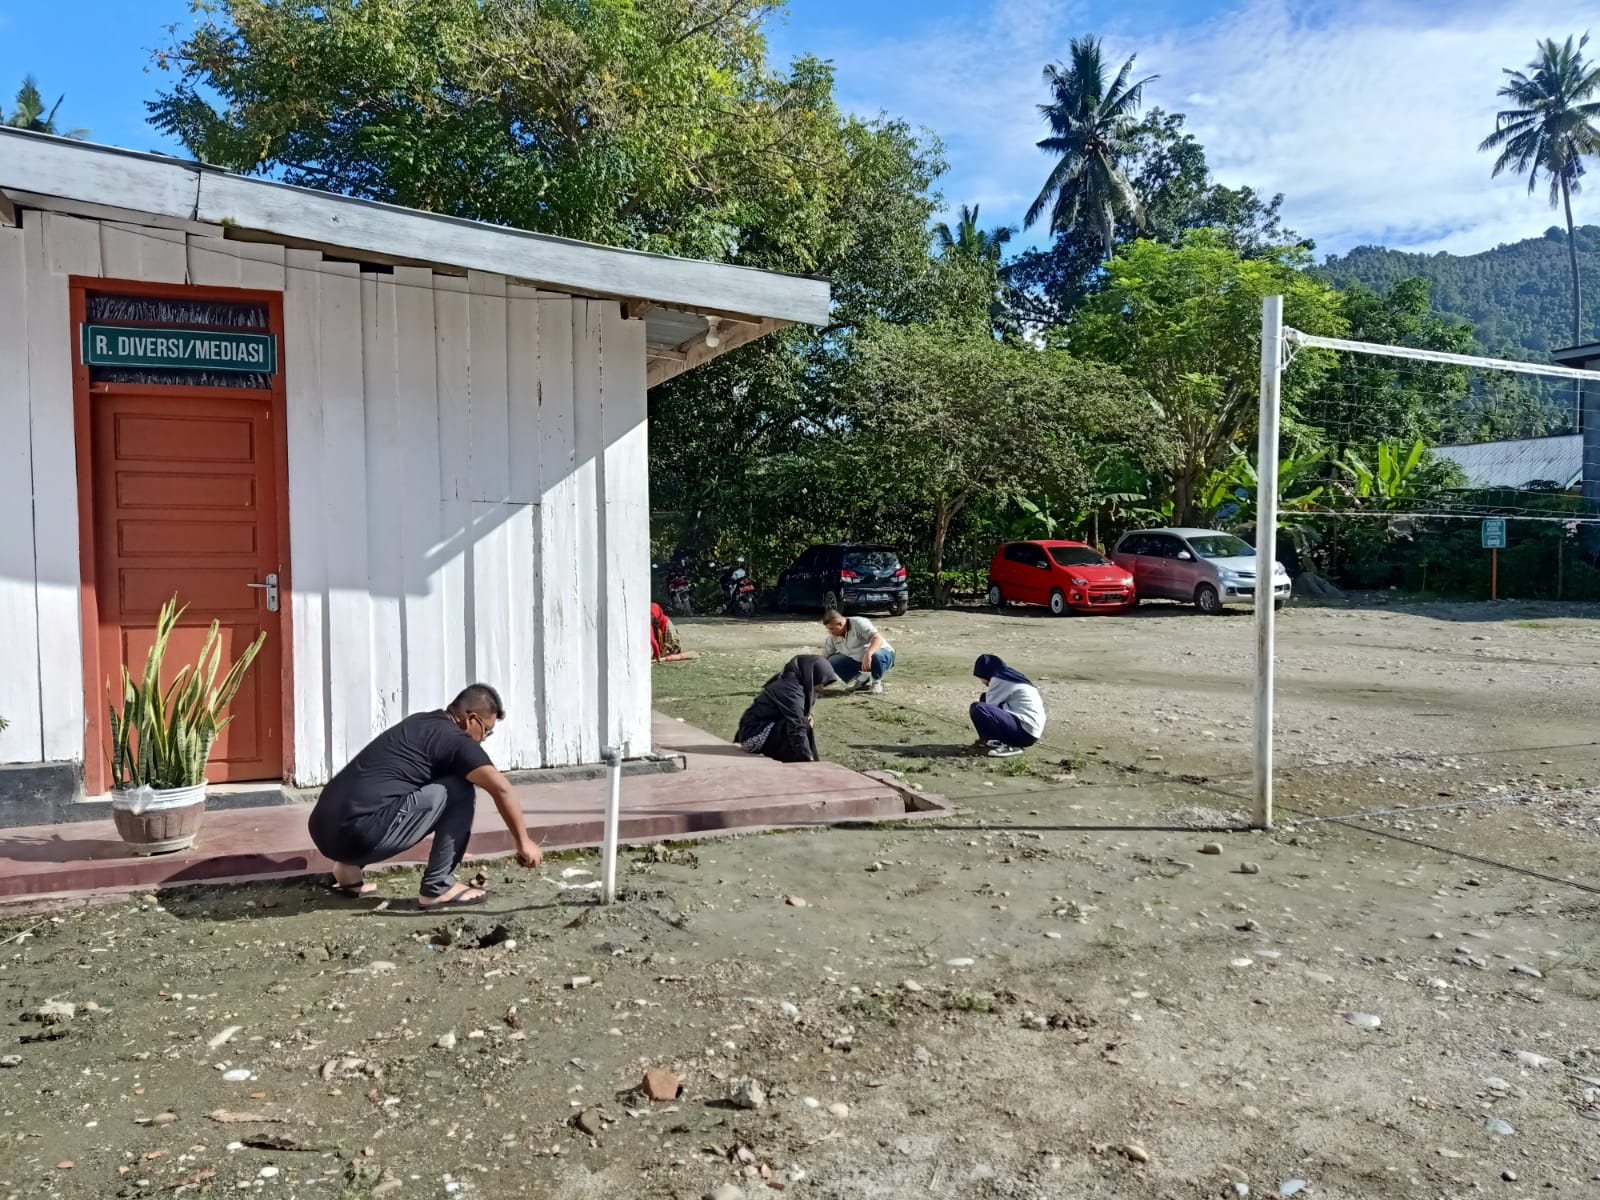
column 1022, row 701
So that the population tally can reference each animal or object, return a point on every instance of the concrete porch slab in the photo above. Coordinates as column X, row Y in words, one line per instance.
column 721, row 791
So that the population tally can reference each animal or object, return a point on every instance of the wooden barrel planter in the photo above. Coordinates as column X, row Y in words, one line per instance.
column 158, row 822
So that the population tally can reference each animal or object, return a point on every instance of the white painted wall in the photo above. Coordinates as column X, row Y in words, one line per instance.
column 468, row 495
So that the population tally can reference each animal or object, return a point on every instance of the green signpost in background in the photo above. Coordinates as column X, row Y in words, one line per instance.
column 1494, row 541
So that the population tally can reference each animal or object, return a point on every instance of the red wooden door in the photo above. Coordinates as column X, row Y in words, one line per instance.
column 185, row 501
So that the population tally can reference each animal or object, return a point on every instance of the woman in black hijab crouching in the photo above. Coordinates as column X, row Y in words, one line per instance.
column 778, row 723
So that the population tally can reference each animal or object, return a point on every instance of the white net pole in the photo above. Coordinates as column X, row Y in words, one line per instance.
column 1267, row 548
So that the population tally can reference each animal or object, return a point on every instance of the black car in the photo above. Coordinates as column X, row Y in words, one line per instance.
column 846, row 577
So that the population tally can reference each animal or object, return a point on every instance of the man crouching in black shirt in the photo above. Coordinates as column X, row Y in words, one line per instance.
column 412, row 780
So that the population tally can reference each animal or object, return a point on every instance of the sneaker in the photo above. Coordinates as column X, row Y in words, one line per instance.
column 875, row 687
column 863, row 682
column 1005, row 752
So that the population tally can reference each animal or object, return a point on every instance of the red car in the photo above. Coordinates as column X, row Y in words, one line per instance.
column 1066, row 576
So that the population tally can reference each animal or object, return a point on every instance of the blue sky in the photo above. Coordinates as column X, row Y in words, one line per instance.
column 1365, row 113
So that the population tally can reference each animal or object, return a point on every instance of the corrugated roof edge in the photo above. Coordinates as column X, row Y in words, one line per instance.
column 136, row 181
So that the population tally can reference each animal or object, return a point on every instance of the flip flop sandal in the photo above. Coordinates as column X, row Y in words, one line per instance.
column 353, row 891
column 471, row 901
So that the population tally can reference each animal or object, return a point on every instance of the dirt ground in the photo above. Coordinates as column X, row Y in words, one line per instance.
column 1064, row 992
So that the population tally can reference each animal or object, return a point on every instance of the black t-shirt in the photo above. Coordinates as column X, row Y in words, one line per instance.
column 422, row 748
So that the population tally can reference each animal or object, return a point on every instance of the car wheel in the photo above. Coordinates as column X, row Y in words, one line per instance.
column 898, row 608
column 781, row 600
column 832, row 600
column 996, row 598
column 1058, row 604
column 1207, row 600
column 1277, row 605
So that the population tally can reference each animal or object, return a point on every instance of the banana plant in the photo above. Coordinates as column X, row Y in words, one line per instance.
column 162, row 739
column 1231, row 491
column 1395, row 479
column 1037, row 520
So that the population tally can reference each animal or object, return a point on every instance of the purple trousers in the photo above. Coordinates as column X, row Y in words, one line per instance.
column 995, row 724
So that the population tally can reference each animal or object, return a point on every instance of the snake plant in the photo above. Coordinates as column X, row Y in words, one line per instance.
column 161, row 739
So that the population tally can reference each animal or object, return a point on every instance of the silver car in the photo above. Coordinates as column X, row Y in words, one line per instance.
column 1204, row 567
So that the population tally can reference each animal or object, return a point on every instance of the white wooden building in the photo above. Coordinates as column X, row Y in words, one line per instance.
column 428, row 433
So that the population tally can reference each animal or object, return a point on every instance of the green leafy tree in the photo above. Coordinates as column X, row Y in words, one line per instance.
column 30, row 112
column 1550, row 128
column 732, row 442
column 1173, row 183
column 1092, row 126
column 653, row 123
column 1366, row 399
column 969, row 273
column 1184, row 323
column 949, row 418
column 971, row 240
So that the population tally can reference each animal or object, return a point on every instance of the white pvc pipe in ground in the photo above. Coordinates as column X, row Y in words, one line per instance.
column 1267, row 548
column 611, row 756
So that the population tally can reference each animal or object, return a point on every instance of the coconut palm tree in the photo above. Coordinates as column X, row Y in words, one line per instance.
column 969, row 239
column 30, row 112
column 1551, row 129
column 1092, row 127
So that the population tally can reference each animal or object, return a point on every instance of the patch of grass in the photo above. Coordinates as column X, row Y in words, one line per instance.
column 1024, row 767
column 1534, row 624
column 971, row 1002
column 886, row 715
column 877, row 1008
column 1110, row 938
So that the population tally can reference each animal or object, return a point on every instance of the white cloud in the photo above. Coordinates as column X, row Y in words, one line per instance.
column 1366, row 113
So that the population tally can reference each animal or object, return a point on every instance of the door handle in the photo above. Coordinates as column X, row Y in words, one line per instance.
column 271, row 588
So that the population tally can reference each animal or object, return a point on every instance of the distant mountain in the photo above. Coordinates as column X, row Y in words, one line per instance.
column 1517, row 296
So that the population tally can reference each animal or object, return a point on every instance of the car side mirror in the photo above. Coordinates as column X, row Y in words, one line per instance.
column 1185, row 556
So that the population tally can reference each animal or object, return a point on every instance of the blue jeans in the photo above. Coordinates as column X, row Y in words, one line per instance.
column 847, row 668
column 995, row 724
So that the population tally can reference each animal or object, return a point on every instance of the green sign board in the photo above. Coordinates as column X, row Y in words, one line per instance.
column 1494, row 533
column 179, row 349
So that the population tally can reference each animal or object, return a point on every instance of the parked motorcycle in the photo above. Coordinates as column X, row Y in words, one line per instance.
column 738, row 589
column 680, row 592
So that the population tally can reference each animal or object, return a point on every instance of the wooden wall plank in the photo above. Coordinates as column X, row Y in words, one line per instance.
column 143, row 252
column 525, row 685
column 449, row 561
column 212, row 262
column 384, row 444
column 589, row 435
column 261, row 265
column 22, row 741
column 563, row 671
column 344, row 515
column 59, row 246
column 522, row 390
column 308, row 508
column 625, row 581
column 489, row 411
column 427, row 682
column 503, row 556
